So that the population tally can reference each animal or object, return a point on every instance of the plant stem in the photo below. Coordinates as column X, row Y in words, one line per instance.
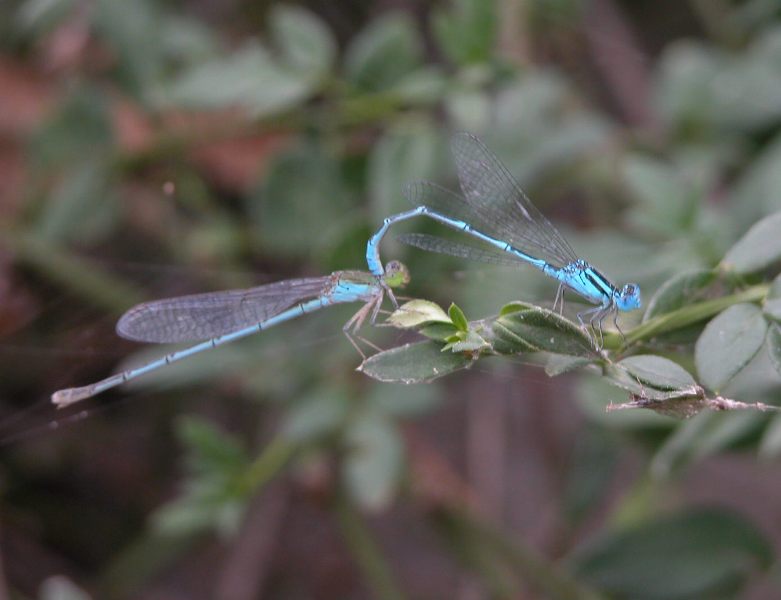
column 365, row 551
column 266, row 466
column 694, row 313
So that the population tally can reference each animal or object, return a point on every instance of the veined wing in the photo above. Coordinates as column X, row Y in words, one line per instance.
column 459, row 249
column 203, row 316
column 505, row 210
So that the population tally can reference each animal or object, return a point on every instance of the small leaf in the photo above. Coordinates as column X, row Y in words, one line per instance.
column 318, row 415
column 759, row 248
column 413, row 363
column 466, row 30
column 772, row 305
column 666, row 201
column 439, row 331
column 249, row 78
column 458, row 317
column 728, row 343
column 702, row 554
column 541, row 329
column 373, row 463
column 658, row 372
column 305, row 41
column 558, row 364
column 416, row 313
column 471, row 342
column 404, row 401
column 774, row 346
column 677, row 292
column 383, row 53
column 770, row 445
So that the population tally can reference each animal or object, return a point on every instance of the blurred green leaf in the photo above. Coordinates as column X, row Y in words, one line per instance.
column 399, row 400
column 409, row 152
column 40, row 16
column 666, row 202
column 79, row 128
column 289, row 209
column 758, row 186
column 82, row 208
column 380, row 55
column 249, row 78
column 373, row 462
column 133, row 30
column 540, row 329
column 592, row 467
column 306, row 44
column 774, row 345
column 678, row 291
column 424, row 85
column 212, row 498
column 702, row 554
column 209, row 448
column 701, row 436
column 466, row 30
column 316, row 415
column 770, row 444
column 728, row 343
column 413, row 363
column 759, row 248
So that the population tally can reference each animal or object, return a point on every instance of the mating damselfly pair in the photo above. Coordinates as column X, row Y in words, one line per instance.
column 492, row 209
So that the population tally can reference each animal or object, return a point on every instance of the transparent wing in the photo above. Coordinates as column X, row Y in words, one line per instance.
column 505, row 210
column 203, row 316
column 459, row 249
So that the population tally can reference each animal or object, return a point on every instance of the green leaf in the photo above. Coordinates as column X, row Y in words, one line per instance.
column 558, row 364
column 80, row 128
column 774, row 345
column 678, row 291
column 666, row 202
column 458, row 317
column 770, row 444
column 83, row 207
column 285, row 197
column 319, row 414
column 702, row 554
column 248, row 78
column 772, row 305
column 416, row 313
column 728, row 343
column 413, row 363
column 133, row 33
column 373, row 463
column 466, row 31
column 658, row 372
column 469, row 341
column 383, row 53
column 400, row 400
column 540, row 329
column 403, row 154
column 758, row 249
column 305, row 42
column 439, row 331
column 209, row 447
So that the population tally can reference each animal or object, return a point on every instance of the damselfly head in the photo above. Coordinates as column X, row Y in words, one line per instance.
column 629, row 297
column 396, row 274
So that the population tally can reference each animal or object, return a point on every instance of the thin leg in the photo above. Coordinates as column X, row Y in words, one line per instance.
column 355, row 345
column 559, row 298
column 615, row 322
column 593, row 313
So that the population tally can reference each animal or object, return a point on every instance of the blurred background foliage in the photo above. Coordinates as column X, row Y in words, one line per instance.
column 149, row 149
